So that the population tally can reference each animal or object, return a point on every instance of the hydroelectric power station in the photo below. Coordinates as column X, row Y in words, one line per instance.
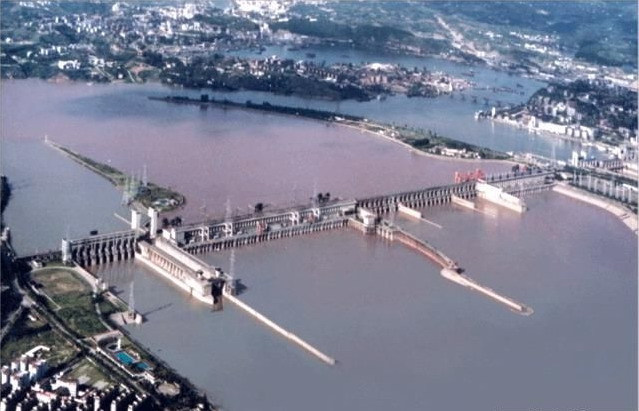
column 171, row 252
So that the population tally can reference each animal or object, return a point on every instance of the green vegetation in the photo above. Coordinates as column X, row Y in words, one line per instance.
column 600, row 32
column 427, row 140
column 163, row 199
column 70, row 298
column 107, row 308
column 27, row 334
column 204, row 73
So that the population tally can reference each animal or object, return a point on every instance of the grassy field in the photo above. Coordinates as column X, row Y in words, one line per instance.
column 28, row 334
column 88, row 373
column 71, row 298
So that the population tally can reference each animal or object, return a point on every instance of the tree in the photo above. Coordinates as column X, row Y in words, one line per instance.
column 259, row 207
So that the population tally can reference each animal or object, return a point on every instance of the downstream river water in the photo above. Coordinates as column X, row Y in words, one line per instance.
column 404, row 337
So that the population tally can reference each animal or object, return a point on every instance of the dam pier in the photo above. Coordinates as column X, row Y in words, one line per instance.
column 171, row 251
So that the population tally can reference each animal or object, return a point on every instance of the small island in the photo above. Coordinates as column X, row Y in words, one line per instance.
column 145, row 194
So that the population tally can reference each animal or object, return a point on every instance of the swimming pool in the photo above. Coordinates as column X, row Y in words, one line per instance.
column 125, row 358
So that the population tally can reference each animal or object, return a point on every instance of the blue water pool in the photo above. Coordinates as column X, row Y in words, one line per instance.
column 125, row 358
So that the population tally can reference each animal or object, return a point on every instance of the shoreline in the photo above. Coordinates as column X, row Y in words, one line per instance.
column 541, row 133
column 625, row 216
column 343, row 119
column 418, row 151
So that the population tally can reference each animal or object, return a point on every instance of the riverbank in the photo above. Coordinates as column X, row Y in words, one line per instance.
column 413, row 149
column 626, row 216
column 5, row 196
column 140, row 194
column 66, row 299
column 418, row 140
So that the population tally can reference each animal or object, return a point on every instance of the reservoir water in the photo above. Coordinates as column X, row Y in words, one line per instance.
column 404, row 337
column 214, row 155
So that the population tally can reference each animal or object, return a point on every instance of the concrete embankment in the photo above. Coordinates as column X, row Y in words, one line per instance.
column 410, row 212
column 286, row 334
column 498, row 196
column 87, row 276
column 424, row 248
column 462, row 202
column 467, row 282
column 626, row 216
column 450, row 270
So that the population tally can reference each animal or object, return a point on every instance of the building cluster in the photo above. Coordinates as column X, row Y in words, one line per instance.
column 27, row 384
column 113, row 41
column 374, row 79
column 25, row 370
column 66, row 396
column 551, row 62
column 585, row 110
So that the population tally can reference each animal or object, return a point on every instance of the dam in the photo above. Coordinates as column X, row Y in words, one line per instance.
column 170, row 251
